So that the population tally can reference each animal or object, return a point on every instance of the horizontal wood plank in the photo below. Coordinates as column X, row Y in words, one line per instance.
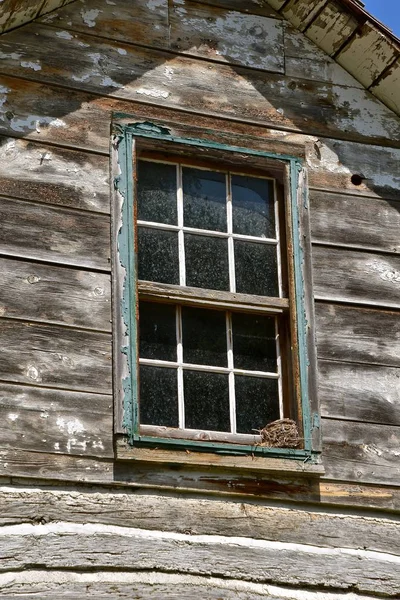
column 199, row 516
column 361, row 452
column 51, row 466
column 54, row 356
column 357, row 277
column 357, row 392
column 139, row 22
column 156, row 77
column 45, row 420
column 64, row 545
column 370, row 223
column 358, row 335
column 54, row 234
column 54, row 175
column 58, row 295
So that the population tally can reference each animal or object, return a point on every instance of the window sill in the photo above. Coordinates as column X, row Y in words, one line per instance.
column 189, row 458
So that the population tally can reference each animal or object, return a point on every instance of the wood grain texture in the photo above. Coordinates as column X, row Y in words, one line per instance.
column 356, row 277
column 95, row 65
column 357, row 392
column 63, row 545
column 127, row 585
column 370, row 223
column 361, row 452
column 139, row 22
column 54, row 356
column 50, row 294
column 53, row 175
column 358, row 335
column 232, row 37
column 54, row 234
column 50, row 466
column 55, row 421
column 199, row 516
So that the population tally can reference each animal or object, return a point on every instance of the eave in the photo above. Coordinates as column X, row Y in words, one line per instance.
column 353, row 38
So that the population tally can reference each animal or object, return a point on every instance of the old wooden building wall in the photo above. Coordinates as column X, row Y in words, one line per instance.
column 238, row 69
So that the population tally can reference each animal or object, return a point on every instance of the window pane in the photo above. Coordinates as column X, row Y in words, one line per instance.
column 206, row 262
column 253, row 206
column 257, row 402
column 204, row 199
column 204, row 337
column 254, row 345
column 158, row 255
column 256, row 268
column 156, row 190
column 157, row 326
column 206, row 400
column 158, row 396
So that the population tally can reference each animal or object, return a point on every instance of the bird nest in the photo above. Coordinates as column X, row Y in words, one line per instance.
column 280, row 434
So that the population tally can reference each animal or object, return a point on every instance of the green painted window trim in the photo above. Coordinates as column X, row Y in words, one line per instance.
column 124, row 184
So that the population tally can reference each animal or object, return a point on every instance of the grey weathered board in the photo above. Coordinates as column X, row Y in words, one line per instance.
column 157, row 77
column 45, row 420
column 356, row 277
column 53, row 294
column 359, row 392
column 358, row 335
column 361, row 452
column 370, row 223
column 54, row 356
column 54, row 234
column 52, row 175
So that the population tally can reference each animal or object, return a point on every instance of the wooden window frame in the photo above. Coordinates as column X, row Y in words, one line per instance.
column 131, row 138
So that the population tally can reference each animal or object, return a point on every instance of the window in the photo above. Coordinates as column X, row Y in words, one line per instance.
column 211, row 307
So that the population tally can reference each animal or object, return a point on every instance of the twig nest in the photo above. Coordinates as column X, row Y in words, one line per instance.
column 282, row 433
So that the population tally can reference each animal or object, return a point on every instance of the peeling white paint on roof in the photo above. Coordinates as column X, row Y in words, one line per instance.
column 155, row 4
column 31, row 65
column 153, row 93
column 89, row 16
column 65, row 35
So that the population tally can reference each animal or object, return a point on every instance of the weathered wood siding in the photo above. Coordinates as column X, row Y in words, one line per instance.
column 238, row 70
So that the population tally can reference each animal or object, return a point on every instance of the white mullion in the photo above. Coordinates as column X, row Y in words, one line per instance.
column 181, row 241
column 278, row 247
column 179, row 352
column 231, row 380
column 279, row 369
column 231, row 255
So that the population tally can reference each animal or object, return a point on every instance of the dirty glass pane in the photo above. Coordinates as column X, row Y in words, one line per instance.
column 157, row 331
column 257, row 402
column 206, row 262
column 204, row 199
column 204, row 337
column 158, row 389
column 206, row 400
column 156, row 190
column 256, row 268
column 253, row 206
column 254, row 347
column 158, row 255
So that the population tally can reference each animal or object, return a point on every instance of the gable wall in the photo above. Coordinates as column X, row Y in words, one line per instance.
column 61, row 78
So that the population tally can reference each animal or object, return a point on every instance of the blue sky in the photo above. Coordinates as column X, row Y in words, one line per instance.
column 387, row 11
